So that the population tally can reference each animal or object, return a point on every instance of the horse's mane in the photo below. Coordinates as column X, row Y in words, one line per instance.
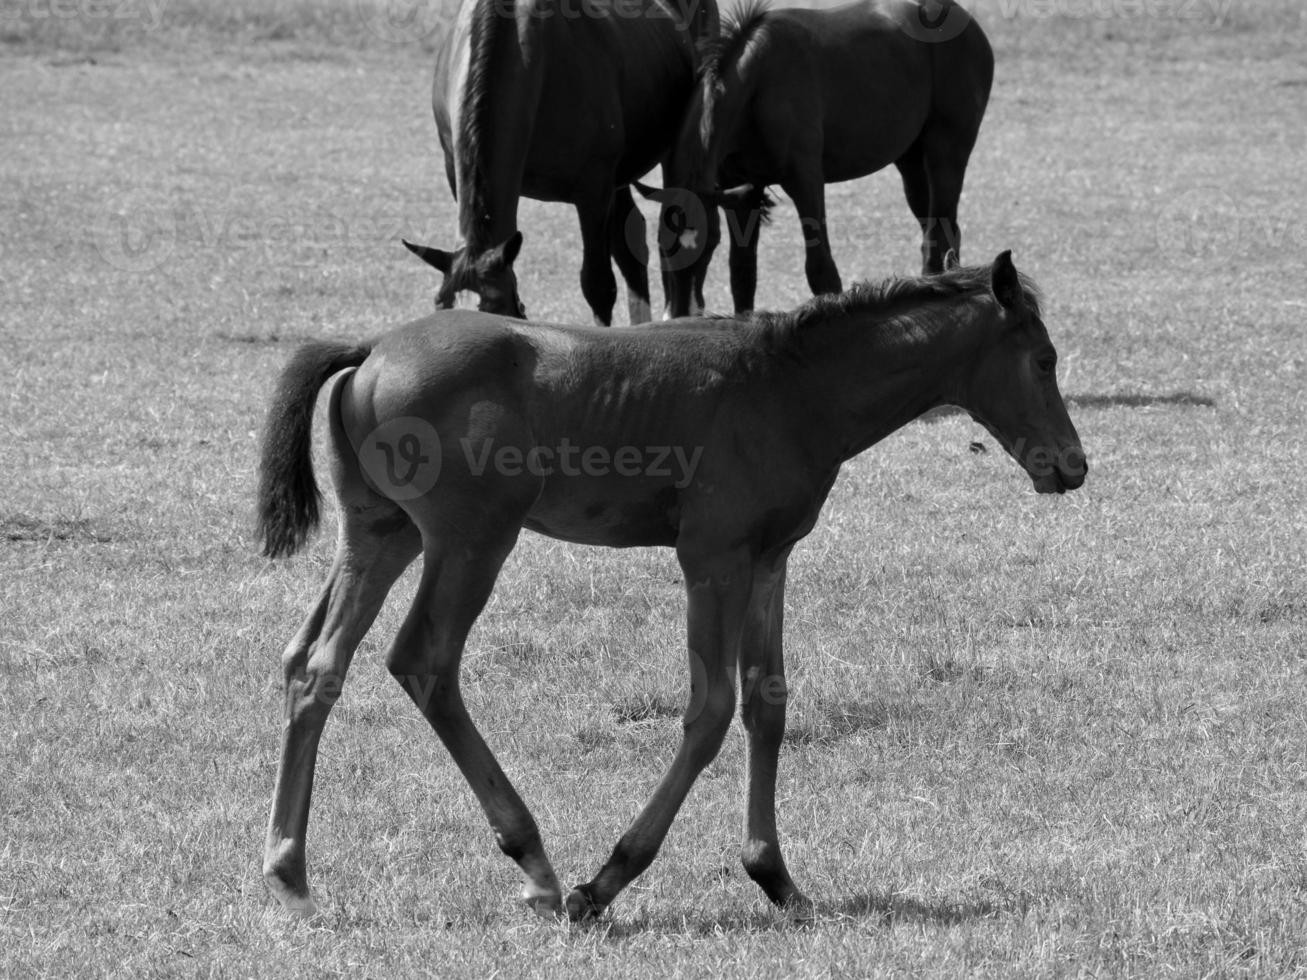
column 891, row 298
column 718, row 54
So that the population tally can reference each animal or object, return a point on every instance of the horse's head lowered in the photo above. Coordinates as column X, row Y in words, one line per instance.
column 1013, row 390
column 489, row 274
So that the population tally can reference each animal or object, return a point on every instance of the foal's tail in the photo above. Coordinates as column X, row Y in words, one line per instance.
column 288, row 492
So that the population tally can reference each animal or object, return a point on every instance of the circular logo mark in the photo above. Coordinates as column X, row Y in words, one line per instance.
column 136, row 234
column 401, row 458
column 931, row 21
column 683, row 228
column 403, row 21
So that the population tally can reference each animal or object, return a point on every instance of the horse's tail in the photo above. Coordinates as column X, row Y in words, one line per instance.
column 288, row 493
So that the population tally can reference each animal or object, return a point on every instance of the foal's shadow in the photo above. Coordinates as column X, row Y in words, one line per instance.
column 882, row 909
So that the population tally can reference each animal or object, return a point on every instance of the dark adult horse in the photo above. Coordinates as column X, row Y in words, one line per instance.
column 803, row 98
column 560, row 102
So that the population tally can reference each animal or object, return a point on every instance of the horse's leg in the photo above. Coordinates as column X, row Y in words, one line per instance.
column 764, row 696
column 459, row 570
column 916, row 188
column 630, row 247
column 718, row 588
column 744, row 221
column 808, row 192
column 376, row 542
column 946, row 153
column 598, row 284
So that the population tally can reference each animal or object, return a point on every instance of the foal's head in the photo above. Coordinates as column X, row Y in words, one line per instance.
column 489, row 274
column 1012, row 390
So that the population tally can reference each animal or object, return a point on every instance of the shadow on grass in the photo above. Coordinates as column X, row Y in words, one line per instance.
column 884, row 910
column 1183, row 399
column 24, row 528
column 1177, row 399
column 270, row 339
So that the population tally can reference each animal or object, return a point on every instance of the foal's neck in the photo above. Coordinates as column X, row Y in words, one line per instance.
column 875, row 371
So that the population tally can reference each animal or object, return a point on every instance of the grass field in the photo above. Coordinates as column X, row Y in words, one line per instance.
column 1029, row 736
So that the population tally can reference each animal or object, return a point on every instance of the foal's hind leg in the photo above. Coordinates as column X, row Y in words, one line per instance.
column 764, row 695
column 459, row 571
column 376, row 543
column 628, row 239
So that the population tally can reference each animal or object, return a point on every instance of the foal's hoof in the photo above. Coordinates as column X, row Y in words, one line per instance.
column 581, row 905
column 298, row 903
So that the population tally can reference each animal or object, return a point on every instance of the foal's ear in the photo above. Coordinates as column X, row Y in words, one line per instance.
column 951, row 261
column 1005, row 282
column 439, row 258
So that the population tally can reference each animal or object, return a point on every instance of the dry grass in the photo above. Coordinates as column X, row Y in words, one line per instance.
column 1031, row 737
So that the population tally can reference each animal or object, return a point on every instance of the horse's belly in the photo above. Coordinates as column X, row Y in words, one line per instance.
column 579, row 510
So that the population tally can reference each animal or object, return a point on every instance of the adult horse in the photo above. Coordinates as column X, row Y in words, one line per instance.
column 559, row 102
column 720, row 438
column 803, row 98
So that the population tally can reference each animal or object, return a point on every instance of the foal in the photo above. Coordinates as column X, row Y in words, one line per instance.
column 449, row 435
column 803, row 98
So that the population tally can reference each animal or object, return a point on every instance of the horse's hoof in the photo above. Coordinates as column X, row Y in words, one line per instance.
column 546, row 904
column 581, row 906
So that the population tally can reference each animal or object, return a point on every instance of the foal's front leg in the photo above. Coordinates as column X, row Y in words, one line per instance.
column 764, row 695
column 718, row 588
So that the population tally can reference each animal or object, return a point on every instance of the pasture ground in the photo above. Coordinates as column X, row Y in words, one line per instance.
column 1029, row 737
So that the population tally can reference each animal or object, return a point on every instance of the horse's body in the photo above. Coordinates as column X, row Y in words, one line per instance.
column 537, row 98
column 803, row 98
column 720, row 438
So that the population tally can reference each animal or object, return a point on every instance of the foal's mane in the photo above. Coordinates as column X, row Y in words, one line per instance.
column 891, row 298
